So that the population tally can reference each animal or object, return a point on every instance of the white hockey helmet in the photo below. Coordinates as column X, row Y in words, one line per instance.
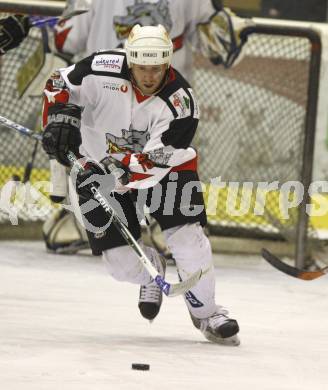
column 149, row 45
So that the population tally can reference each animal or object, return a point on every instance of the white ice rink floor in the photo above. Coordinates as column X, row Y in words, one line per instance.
column 65, row 324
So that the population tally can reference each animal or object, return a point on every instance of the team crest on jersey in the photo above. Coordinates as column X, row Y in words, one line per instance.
column 145, row 14
column 181, row 103
column 159, row 156
column 107, row 63
column 132, row 141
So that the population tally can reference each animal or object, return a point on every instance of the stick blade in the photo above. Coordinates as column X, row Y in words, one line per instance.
column 289, row 270
column 311, row 275
column 182, row 287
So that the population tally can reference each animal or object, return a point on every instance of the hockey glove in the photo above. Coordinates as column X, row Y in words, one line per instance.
column 12, row 31
column 105, row 175
column 222, row 39
column 62, row 133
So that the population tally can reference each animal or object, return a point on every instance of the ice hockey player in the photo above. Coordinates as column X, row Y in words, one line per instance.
column 140, row 115
column 13, row 30
column 200, row 25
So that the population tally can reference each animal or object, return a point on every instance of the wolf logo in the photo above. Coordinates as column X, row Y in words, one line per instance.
column 132, row 141
column 145, row 14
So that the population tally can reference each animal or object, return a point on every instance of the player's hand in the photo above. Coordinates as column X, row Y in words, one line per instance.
column 12, row 31
column 62, row 133
column 105, row 175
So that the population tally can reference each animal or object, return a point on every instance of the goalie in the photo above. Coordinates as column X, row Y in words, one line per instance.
column 199, row 25
column 139, row 119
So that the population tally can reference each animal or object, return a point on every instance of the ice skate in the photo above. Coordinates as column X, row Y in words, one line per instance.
column 218, row 328
column 150, row 297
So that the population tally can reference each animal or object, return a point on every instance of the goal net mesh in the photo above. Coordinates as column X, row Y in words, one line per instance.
column 252, row 130
column 20, row 101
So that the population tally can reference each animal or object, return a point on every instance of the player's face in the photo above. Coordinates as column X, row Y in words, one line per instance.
column 148, row 77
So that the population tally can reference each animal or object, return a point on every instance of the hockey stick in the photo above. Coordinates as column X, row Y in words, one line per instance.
column 292, row 271
column 27, row 132
column 30, row 164
column 21, row 129
column 169, row 289
column 40, row 22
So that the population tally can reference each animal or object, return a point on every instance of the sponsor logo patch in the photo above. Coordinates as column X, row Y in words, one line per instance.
column 116, row 87
column 149, row 54
column 99, row 235
column 107, row 63
column 62, row 118
column 181, row 102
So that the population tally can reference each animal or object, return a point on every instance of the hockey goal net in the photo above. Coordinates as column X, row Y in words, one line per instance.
column 24, row 166
column 257, row 126
column 22, row 104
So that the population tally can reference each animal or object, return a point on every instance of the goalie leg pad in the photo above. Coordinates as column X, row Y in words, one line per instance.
column 63, row 234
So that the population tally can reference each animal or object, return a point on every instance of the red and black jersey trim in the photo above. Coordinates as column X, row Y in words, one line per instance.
column 178, row 42
column 180, row 133
column 177, row 82
column 60, row 38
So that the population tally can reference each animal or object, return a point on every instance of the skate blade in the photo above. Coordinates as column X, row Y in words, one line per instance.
column 233, row 341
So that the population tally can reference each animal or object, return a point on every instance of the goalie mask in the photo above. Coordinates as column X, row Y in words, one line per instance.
column 149, row 45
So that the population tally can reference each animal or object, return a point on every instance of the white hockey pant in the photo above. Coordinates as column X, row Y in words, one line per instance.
column 123, row 265
column 191, row 250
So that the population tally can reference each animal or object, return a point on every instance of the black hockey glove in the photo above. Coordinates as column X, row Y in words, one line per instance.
column 62, row 133
column 12, row 31
column 104, row 175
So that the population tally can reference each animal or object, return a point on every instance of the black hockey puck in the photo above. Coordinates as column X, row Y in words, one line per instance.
column 140, row 367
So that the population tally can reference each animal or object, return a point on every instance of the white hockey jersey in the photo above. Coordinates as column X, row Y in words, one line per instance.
column 150, row 134
column 108, row 23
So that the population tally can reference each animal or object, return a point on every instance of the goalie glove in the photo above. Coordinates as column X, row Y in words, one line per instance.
column 221, row 38
column 106, row 175
column 12, row 31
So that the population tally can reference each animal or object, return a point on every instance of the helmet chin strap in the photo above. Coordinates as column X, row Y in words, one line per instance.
column 161, row 86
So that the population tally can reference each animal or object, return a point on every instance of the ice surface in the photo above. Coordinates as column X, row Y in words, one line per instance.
column 65, row 324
